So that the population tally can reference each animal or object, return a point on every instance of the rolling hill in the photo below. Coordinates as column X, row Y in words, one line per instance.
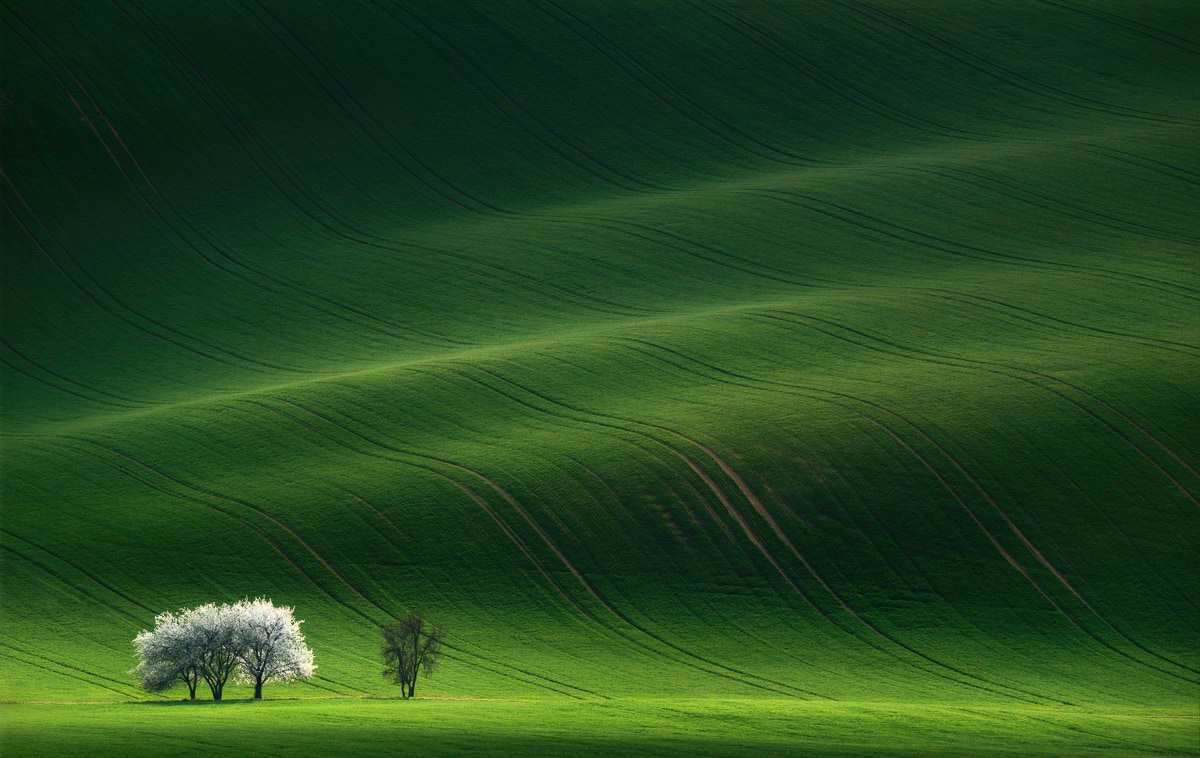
column 824, row 350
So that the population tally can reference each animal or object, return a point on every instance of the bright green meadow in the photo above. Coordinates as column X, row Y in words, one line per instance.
column 744, row 377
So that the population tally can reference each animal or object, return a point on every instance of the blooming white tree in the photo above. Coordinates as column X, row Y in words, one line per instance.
column 170, row 653
column 252, row 639
column 270, row 645
column 215, row 627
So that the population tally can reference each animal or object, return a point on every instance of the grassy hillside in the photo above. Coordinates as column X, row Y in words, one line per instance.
column 809, row 350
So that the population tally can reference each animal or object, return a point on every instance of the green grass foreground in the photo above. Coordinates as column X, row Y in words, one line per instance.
column 651, row 726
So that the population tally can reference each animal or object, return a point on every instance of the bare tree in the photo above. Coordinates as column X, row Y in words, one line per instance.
column 270, row 645
column 411, row 646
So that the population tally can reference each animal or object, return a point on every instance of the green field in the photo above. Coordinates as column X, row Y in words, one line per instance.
column 742, row 376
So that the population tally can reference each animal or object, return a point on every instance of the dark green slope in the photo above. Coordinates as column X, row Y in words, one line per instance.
column 822, row 350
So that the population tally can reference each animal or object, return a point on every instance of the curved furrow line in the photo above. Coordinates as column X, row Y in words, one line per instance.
column 734, row 674
column 226, row 498
column 613, row 53
column 647, row 234
column 623, row 309
column 1030, row 547
column 1001, row 73
column 498, row 96
column 999, row 369
column 360, row 236
column 1145, row 432
column 58, row 388
column 65, row 582
column 516, row 540
column 803, row 391
column 933, row 242
column 124, row 402
column 1029, row 316
column 397, row 455
column 978, row 523
column 618, row 226
column 57, row 672
column 1133, row 747
column 89, row 576
column 120, row 308
column 766, row 516
column 835, row 85
column 315, row 684
column 1139, row 161
column 749, row 494
column 1042, row 559
column 1048, row 377
column 374, row 508
column 1129, row 25
column 451, row 192
column 9, row 643
column 301, row 571
column 198, row 501
column 357, row 236
column 753, row 538
column 758, row 543
column 290, row 289
column 1047, row 203
column 509, row 674
column 726, row 254
column 746, row 529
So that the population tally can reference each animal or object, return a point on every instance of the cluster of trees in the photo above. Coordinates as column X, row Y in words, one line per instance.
column 257, row 642
column 251, row 639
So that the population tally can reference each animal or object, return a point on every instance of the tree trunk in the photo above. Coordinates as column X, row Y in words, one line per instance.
column 258, row 689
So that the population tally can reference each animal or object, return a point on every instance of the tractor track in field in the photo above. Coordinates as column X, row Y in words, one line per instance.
column 1050, row 205
column 427, row 175
column 664, row 92
column 995, row 185
column 118, row 308
column 1059, row 325
column 504, row 102
column 1012, row 372
column 208, row 496
column 591, row 416
column 874, row 225
column 82, row 674
column 1167, row 170
column 1033, row 550
column 232, row 266
column 122, row 401
column 1000, row 73
column 192, row 75
column 830, row 82
column 94, row 579
column 405, row 456
column 1134, row 28
column 1037, row 554
column 257, row 531
column 58, row 388
column 355, row 235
